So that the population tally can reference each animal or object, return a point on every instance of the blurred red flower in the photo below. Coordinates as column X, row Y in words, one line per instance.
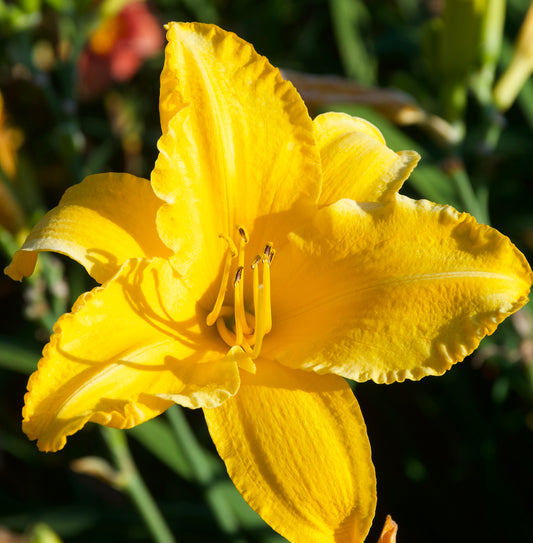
column 118, row 47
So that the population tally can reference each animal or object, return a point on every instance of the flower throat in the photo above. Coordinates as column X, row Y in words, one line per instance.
column 236, row 326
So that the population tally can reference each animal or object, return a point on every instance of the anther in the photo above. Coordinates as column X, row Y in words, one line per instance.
column 268, row 253
column 243, row 233
column 238, row 276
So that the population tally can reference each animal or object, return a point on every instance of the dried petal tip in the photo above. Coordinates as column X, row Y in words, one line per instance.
column 390, row 529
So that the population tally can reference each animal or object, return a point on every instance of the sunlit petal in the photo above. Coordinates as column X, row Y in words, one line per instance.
column 295, row 445
column 237, row 148
column 392, row 292
column 101, row 222
column 356, row 162
column 122, row 351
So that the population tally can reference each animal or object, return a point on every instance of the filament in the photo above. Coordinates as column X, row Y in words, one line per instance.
column 241, row 325
column 228, row 336
column 255, row 280
column 268, row 255
column 230, row 255
column 259, row 323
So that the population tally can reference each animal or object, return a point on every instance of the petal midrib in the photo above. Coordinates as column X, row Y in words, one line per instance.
column 441, row 276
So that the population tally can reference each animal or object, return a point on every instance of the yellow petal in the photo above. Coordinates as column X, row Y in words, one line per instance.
column 356, row 163
column 125, row 351
column 389, row 532
column 392, row 292
column 296, row 447
column 237, row 145
column 100, row 223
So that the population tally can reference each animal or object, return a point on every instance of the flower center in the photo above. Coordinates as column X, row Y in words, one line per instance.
column 236, row 326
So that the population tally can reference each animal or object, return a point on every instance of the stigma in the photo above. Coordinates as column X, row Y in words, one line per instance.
column 240, row 329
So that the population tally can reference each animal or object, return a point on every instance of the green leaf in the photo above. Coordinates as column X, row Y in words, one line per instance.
column 17, row 358
column 349, row 17
column 157, row 436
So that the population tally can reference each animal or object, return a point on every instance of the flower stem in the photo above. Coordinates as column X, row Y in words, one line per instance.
column 204, row 473
column 130, row 481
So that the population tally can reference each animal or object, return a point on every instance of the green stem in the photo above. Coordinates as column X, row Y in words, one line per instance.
column 470, row 201
column 192, row 451
column 131, row 482
column 204, row 473
column 493, row 131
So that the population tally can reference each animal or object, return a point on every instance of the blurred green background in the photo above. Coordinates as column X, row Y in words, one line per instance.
column 453, row 454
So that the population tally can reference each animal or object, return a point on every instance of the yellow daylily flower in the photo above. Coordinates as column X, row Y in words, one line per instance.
column 269, row 258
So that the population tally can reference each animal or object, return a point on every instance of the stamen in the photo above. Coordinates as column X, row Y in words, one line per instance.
column 230, row 255
column 255, row 283
column 228, row 336
column 243, row 241
column 242, row 331
column 241, row 324
column 238, row 276
column 269, row 252
column 266, row 291
column 243, row 233
column 259, row 323
column 231, row 246
column 262, row 304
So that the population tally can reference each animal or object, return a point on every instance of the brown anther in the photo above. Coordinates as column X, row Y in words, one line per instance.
column 238, row 275
column 268, row 254
column 243, row 233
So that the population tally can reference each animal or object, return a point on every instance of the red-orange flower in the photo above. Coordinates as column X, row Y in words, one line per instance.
column 118, row 47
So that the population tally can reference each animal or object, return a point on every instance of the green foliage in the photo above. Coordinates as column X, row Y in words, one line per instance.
column 350, row 19
column 18, row 17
